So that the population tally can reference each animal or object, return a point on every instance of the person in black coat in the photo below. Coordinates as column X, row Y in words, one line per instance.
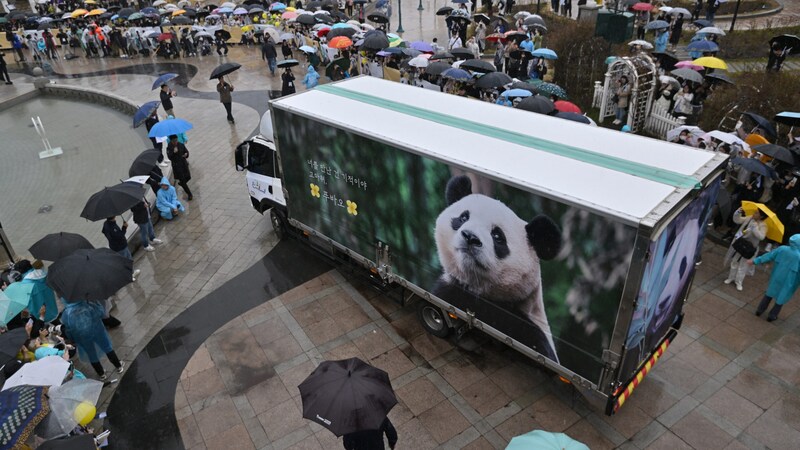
column 269, row 54
column 288, row 82
column 178, row 154
column 676, row 31
column 148, row 123
column 371, row 439
column 286, row 49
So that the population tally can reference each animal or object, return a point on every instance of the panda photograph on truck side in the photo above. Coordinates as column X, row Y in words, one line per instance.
column 490, row 253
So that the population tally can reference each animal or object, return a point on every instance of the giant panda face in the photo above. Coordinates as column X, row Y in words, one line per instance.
column 484, row 245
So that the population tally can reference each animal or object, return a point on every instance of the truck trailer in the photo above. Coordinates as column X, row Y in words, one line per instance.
column 573, row 244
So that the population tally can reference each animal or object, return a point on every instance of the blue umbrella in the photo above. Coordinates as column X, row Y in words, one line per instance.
column 225, row 10
column 169, row 127
column 149, row 10
column 14, row 299
column 163, row 79
column 144, row 112
column 21, row 409
column 788, row 118
column 657, row 25
column 516, row 93
column 460, row 1
column 277, row 6
column 393, row 50
column 545, row 53
column 457, row 74
column 544, row 440
column 422, row 46
column 703, row 46
column 342, row 25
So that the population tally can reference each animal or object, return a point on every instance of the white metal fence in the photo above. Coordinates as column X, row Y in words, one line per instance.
column 661, row 120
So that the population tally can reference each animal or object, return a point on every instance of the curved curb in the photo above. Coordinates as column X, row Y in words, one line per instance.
column 751, row 15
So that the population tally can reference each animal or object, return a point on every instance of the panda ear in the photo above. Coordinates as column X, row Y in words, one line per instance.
column 544, row 236
column 457, row 188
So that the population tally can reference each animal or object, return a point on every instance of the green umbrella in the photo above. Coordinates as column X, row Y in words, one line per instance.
column 551, row 89
column 544, row 440
column 135, row 16
column 14, row 299
column 344, row 63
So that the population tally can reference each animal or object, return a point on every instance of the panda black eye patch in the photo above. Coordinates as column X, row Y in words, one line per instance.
column 500, row 243
column 456, row 222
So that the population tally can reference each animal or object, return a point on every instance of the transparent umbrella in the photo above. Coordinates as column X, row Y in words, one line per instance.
column 64, row 400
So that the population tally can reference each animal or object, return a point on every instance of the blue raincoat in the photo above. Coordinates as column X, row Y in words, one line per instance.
column 661, row 42
column 84, row 324
column 311, row 79
column 167, row 200
column 41, row 295
column 785, row 277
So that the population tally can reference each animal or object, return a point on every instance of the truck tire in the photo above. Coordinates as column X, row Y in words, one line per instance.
column 278, row 223
column 433, row 319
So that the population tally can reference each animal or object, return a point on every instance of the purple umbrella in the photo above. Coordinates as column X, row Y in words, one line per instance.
column 422, row 46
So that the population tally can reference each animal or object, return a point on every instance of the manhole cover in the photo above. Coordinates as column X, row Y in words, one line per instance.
column 45, row 209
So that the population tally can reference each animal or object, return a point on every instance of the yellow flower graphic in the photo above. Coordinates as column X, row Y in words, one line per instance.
column 352, row 208
column 314, row 190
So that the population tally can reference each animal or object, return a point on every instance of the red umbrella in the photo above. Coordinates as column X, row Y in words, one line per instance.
column 565, row 106
column 164, row 37
column 340, row 42
column 642, row 7
column 323, row 31
column 496, row 37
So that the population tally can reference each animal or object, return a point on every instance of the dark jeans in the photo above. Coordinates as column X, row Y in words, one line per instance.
column 228, row 110
column 773, row 314
column 4, row 74
column 185, row 186
column 112, row 356
column 158, row 146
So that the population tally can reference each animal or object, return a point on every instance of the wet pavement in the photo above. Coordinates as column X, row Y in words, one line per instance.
column 223, row 323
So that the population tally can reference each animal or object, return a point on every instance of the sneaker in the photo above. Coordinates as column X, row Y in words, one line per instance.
column 135, row 274
column 157, row 241
column 739, row 287
column 149, row 248
column 8, row 82
column 121, row 367
column 103, row 377
column 728, row 281
column 163, row 163
column 616, row 122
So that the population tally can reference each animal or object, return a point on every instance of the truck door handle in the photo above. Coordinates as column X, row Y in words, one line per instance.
column 269, row 189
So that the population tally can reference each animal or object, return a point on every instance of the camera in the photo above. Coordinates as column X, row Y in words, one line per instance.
column 55, row 330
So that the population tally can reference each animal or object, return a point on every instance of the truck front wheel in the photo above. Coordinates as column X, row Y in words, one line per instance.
column 278, row 223
column 433, row 320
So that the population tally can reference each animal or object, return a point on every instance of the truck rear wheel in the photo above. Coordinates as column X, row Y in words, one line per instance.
column 433, row 320
column 278, row 223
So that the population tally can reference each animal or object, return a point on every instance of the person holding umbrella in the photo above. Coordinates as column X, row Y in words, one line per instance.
column 784, row 279
column 371, row 439
column 117, row 240
column 287, row 79
column 776, row 56
column 752, row 229
column 224, row 88
column 151, row 120
column 166, row 99
column 178, row 154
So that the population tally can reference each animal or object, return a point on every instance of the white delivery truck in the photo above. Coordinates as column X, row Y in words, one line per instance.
column 573, row 244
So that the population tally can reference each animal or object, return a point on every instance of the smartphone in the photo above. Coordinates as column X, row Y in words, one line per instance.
column 30, row 322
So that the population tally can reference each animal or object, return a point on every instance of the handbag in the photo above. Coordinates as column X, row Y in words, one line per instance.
column 744, row 248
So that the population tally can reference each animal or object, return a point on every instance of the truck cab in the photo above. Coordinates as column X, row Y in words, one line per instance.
column 257, row 157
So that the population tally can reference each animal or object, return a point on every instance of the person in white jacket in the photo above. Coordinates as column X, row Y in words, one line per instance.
column 752, row 228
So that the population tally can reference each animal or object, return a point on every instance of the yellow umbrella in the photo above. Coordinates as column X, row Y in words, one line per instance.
column 90, row 2
column 247, row 28
column 290, row 8
column 711, row 63
column 178, row 12
column 95, row 12
column 774, row 225
column 78, row 13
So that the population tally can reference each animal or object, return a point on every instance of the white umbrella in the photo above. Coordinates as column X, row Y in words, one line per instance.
column 682, row 11
column 521, row 14
column 228, row 5
column 367, row 27
column 159, row 3
column 141, row 179
column 48, row 371
column 728, row 138
column 711, row 30
column 418, row 61
column 674, row 133
column 644, row 44
column 458, row 63
column 666, row 9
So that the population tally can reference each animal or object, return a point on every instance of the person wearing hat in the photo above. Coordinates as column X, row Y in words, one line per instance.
column 784, row 279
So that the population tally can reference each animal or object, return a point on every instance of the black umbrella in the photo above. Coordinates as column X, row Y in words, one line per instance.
column 190, row 12
column 462, row 53
column 80, row 442
column 575, row 117
column 347, row 396
column 311, row 6
column 343, row 63
column 478, row 65
column 255, row 10
column 223, row 34
column 306, row 19
column 375, row 40
column 144, row 163
column 113, row 201
column 441, row 55
column 125, row 12
column 444, row 11
column 58, row 245
column 437, row 67
column 719, row 76
column 773, row 150
column 481, row 18
column 90, row 274
column 537, row 103
column 755, row 166
column 288, row 63
column 523, row 85
column 224, row 69
column 378, row 18
column 667, row 61
column 703, row 23
column 787, row 41
column 180, row 20
column 491, row 80
column 344, row 31
column 533, row 20
column 10, row 343
column 762, row 123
